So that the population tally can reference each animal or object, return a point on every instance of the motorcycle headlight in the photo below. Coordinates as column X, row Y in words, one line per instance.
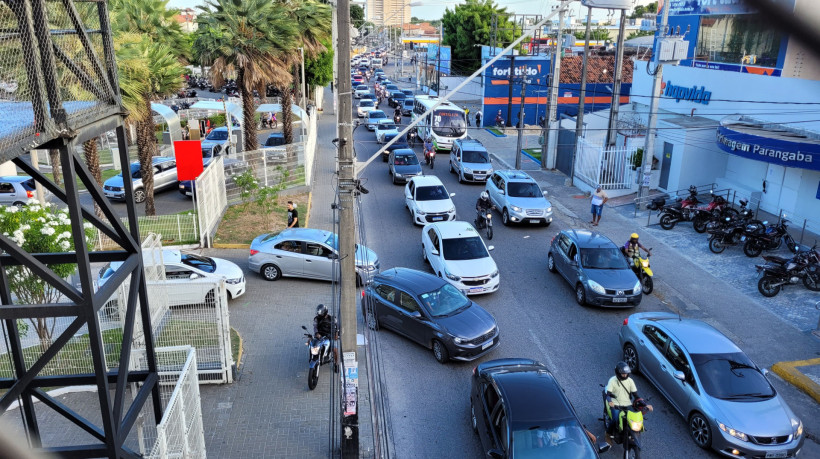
column 489, row 216
column 636, row 426
column 645, row 263
column 451, row 276
column 637, row 288
column 596, row 287
column 735, row 433
column 515, row 208
column 797, row 425
column 314, row 350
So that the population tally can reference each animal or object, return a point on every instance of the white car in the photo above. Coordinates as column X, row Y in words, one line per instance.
column 365, row 105
column 428, row 200
column 458, row 255
column 182, row 267
column 360, row 90
column 386, row 130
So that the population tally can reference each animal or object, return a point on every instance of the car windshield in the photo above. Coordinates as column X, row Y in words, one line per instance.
column 375, row 114
column 201, row 263
column 135, row 171
column 408, row 103
column 603, row 258
column 217, row 135
column 464, row 248
column 445, row 301
column 731, row 376
column 368, row 96
column 431, row 193
column 475, row 157
column 450, row 123
column 361, row 87
column 524, row 190
column 405, row 160
column 366, row 103
column 564, row 439
column 386, row 126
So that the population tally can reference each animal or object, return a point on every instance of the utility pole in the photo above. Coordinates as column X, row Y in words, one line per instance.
column 347, row 240
column 548, row 161
column 649, row 146
column 521, row 123
column 509, row 97
column 579, row 120
column 615, row 105
column 438, row 59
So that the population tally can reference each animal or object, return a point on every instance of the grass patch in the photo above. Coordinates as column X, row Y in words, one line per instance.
column 106, row 174
column 184, row 332
column 235, row 345
column 242, row 223
column 534, row 152
column 496, row 131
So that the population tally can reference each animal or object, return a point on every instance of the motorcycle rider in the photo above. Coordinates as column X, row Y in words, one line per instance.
column 633, row 247
column 397, row 115
column 428, row 148
column 323, row 325
column 620, row 391
column 482, row 206
column 499, row 121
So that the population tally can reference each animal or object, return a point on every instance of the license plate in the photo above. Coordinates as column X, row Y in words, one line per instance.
column 777, row 454
column 478, row 177
column 490, row 343
column 188, row 193
column 438, row 219
column 619, row 300
column 111, row 195
column 476, row 289
column 535, row 222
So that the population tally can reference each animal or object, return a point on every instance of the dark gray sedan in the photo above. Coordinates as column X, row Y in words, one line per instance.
column 594, row 266
column 403, row 164
column 428, row 310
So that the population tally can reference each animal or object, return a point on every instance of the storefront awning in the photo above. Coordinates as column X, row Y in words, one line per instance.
column 772, row 143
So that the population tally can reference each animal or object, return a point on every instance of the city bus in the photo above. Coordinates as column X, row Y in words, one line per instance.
column 445, row 124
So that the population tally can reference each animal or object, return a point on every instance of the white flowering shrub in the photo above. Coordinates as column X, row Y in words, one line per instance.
column 39, row 229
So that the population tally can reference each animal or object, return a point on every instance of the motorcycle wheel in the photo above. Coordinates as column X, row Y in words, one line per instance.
column 765, row 287
column 716, row 246
column 699, row 223
column 812, row 279
column 647, row 285
column 489, row 233
column 751, row 249
column 632, row 453
column 667, row 222
column 432, row 161
column 313, row 377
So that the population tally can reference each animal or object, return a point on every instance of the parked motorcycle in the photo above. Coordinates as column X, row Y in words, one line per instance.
column 685, row 210
column 779, row 272
column 483, row 220
column 731, row 230
column 717, row 208
column 628, row 427
column 769, row 237
column 320, row 354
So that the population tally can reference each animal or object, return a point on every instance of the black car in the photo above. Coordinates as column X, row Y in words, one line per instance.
column 275, row 139
column 428, row 310
column 396, row 98
column 518, row 409
column 401, row 142
column 408, row 93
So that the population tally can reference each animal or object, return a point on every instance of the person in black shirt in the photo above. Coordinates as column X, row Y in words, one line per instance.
column 293, row 215
column 323, row 325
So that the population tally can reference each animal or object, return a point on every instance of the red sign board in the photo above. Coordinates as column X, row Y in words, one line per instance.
column 189, row 159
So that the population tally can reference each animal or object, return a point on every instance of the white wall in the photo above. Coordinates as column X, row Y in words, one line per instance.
column 806, row 204
column 696, row 159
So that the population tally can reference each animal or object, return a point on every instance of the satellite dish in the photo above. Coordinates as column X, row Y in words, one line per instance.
column 608, row 4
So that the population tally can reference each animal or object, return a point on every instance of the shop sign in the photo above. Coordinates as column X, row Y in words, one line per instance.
column 693, row 94
column 782, row 152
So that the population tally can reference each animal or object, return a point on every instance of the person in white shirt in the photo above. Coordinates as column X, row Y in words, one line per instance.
column 599, row 198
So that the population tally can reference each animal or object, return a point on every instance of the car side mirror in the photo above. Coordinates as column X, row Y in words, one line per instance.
column 194, row 276
column 765, row 372
column 491, row 248
column 495, row 453
column 452, row 194
column 502, row 192
column 333, row 256
column 545, row 193
column 415, row 315
column 604, row 448
column 679, row 375
column 434, row 252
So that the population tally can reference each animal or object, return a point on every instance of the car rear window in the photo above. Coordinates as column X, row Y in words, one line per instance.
column 28, row 185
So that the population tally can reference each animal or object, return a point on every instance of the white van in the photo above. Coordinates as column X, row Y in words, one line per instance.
column 376, row 63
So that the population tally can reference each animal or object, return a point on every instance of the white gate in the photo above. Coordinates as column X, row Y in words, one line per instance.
column 610, row 168
column 210, row 198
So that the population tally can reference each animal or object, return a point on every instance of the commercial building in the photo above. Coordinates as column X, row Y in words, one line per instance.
column 387, row 12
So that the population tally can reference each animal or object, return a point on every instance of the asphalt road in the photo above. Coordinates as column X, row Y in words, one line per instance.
column 536, row 313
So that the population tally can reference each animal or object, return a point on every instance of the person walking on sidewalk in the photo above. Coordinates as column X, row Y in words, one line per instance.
column 478, row 119
column 599, row 198
column 293, row 215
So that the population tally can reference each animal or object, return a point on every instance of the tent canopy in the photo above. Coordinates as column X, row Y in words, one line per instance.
column 234, row 109
column 277, row 108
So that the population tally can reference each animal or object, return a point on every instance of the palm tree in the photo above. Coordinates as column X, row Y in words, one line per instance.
column 152, row 19
column 251, row 38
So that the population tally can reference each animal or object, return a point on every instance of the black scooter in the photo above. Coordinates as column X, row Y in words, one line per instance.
column 320, row 354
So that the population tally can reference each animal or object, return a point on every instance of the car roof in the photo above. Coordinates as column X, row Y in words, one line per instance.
column 305, row 234
column 513, row 175
column 15, row 178
column 372, row 112
column 587, row 239
column 696, row 336
column 426, row 180
column 531, row 393
column 416, row 282
column 471, row 145
column 387, row 121
column 455, row 230
column 404, row 152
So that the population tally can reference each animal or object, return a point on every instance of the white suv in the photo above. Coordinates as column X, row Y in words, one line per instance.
column 457, row 254
column 519, row 198
column 428, row 200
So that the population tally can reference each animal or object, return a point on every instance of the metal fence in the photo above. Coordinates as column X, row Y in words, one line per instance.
column 210, row 198
column 173, row 229
column 282, row 166
column 609, row 167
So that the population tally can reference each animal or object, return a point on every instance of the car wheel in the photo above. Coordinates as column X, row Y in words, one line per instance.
column 18, row 204
column 384, row 158
column 424, row 254
column 440, row 351
column 505, row 218
column 393, row 178
column 551, row 264
column 631, row 357
column 452, row 171
column 580, row 294
column 473, row 420
column 700, row 431
column 271, row 272
column 210, row 299
column 139, row 196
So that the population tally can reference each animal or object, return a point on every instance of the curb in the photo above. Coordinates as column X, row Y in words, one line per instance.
column 500, row 161
column 241, row 348
column 494, row 134
column 309, row 205
column 531, row 157
column 789, row 372
column 225, row 245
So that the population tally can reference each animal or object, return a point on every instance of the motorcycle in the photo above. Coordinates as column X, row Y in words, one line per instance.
column 627, row 427
column 769, row 237
column 685, row 210
column 411, row 137
column 430, row 157
column 320, row 354
column 640, row 266
column 731, row 230
column 397, row 117
column 717, row 208
column 779, row 272
column 483, row 219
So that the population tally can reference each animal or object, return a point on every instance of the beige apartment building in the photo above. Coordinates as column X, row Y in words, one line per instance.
column 387, row 12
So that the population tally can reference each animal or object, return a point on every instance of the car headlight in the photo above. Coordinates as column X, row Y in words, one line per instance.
column 596, row 287
column 451, row 276
column 549, row 209
column 797, row 425
column 467, row 170
column 735, row 433
column 458, row 340
column 452, row 209
column 494, row 274
column 421, row 212
column 397, row 174
column 234, row 281
column 637, row 288
column 515, row 208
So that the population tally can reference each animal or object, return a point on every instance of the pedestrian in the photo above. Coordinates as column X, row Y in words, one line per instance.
column 467, row 115
column 599, row 198
column 185, row 134
column 478, row 119
column 293, row 215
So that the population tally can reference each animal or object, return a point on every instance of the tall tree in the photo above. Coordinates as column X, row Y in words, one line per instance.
column 152, row 19
column 319, row 69
column 469, row 24
column 356, row 15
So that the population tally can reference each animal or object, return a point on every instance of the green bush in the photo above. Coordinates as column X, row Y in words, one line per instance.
column 637, row 158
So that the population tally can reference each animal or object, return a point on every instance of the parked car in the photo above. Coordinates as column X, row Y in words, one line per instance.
column 726, row 399
column 402, row 165
column 470, row 161
column 595, row 267
column 217, row 141
column 361, row 89
column 386, row 130
column 307, row 253
column 181, row 268
column 428, row 200
column 407, row 106
column 396, row 98
column 457, row 254
column 16, row 190
column 365, row 105
column 165, row 176
column 519, row 410
column 431, row 312
column 232, row 167
column 373, row 117
column 519, row 198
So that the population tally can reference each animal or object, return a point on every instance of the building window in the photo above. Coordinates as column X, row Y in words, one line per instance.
column 737, row 39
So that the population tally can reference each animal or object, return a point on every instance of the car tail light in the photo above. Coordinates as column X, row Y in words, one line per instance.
column 254, row 252
column 626, row 321
column 30, row 194
column 553, row 239
column 362, row 293
column 475, row 369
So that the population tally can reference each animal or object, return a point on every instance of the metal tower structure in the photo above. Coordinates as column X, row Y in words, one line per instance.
column 60, row 88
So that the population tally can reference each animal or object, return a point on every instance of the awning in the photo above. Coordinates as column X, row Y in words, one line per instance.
column 234, row 109
column 772, row 143
column 171, row 119
column 277, row 108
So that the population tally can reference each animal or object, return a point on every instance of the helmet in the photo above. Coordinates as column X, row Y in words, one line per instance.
column 485, row 196
column 693, row 189
column 321, row 310
column 634, row 236
column 622, row 368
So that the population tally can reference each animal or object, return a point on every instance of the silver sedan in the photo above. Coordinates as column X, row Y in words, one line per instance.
column 728, row 402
